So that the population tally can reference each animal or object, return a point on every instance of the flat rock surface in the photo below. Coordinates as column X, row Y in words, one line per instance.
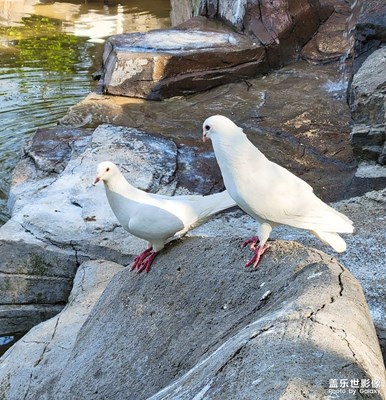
column 203, row 327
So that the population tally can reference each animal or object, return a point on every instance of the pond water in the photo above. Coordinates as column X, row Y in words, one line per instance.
column 48, row 52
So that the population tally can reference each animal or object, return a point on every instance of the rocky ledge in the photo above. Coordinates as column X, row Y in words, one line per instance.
column 201, row 326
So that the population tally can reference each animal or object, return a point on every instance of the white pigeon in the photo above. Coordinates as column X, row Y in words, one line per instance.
column 155, row 218
column 268, row 192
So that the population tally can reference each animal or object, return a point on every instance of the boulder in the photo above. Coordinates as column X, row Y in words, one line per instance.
column 201, row 326
column 164, row 63
column 370, row 30
column 367, row 97
column 368, row 106
column 366, row 252
column 283, row 23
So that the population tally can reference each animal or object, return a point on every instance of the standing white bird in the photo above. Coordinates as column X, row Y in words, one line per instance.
column 155, row 218
column 268, row 192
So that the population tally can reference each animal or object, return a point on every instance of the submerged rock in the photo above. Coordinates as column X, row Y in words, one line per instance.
column 290, row 327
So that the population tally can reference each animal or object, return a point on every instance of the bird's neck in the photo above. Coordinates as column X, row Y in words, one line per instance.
column 119, row 186
column 230, row 150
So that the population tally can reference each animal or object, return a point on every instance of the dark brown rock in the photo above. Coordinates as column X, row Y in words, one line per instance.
column 282, row 26
column 330, row 43
column 161, row 64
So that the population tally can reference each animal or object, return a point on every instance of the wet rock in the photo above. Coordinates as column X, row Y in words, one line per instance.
column 161, row 64
column 330, row 43
column 51, row 148
column 297, row 116
column 284, row 329
column 48, row 345
column 282, row 26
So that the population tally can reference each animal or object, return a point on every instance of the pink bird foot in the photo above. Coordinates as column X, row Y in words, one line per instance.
column 144, row 260
column 256, row 248
column 253, row 241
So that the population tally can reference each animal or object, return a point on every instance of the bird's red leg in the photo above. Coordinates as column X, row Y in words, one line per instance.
column 139, row 259
column 253, row 241
column 256, row 248
column 144, row 260
column 146, row 263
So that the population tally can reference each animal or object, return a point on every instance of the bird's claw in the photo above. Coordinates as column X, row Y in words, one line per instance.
column 253, row 241
column 144, row 260
column 257, row 249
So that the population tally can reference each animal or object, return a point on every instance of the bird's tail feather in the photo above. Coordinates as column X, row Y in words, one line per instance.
column 214, row 203
column 332, row 239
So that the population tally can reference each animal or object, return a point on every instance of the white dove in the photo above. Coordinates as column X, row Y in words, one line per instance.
column 155, row 218
column 268, row 192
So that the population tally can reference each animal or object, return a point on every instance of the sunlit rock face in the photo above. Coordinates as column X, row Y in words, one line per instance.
column 195, row 57
column 166, row 63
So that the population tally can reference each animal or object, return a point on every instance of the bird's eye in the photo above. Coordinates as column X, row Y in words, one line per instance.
column 107, row 169
column 207, row 127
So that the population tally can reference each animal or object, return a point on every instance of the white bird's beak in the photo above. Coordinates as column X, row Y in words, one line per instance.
column 204, row 138
column 97, row 179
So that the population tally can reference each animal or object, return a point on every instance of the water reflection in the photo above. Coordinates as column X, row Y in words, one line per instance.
column 48, row 51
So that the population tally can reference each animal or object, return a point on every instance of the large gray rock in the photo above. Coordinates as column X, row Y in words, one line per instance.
column 166, row 63
column 366, row 251
column 368, row 106
column 201, row 326
column 367, row 97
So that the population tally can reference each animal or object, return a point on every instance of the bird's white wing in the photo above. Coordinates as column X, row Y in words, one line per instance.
column 274, row 194
column 154, row 223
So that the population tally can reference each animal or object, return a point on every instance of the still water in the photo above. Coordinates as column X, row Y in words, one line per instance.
column 48, row 51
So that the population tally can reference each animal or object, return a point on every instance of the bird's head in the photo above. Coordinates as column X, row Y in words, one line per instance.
column 218, row 125
column 105, row 171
